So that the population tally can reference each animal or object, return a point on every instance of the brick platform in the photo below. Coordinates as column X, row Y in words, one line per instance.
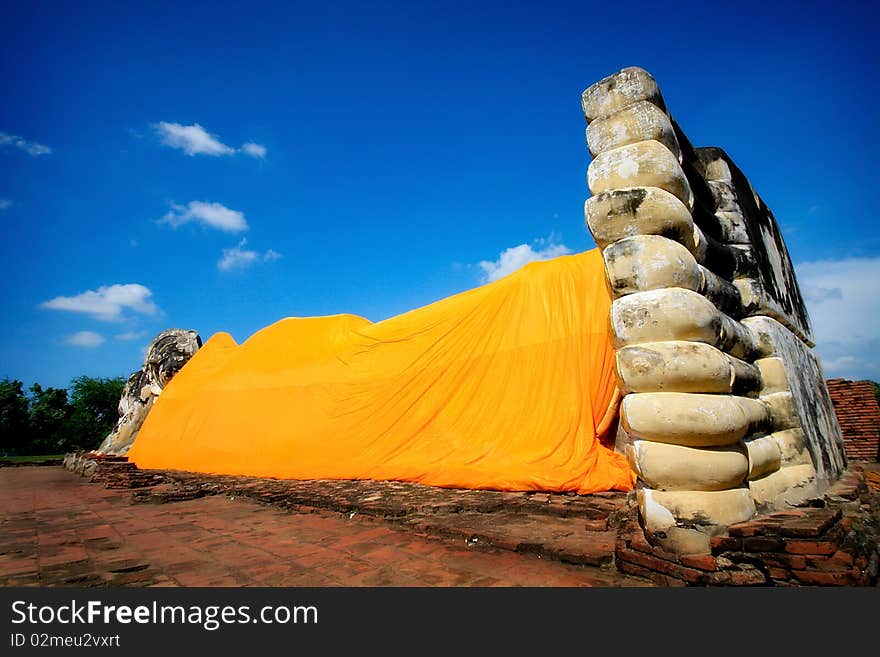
column 591, row 540
column 58, row 529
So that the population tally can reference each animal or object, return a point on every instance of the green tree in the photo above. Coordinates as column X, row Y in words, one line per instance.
column 14, row 421
column 94, row 404
column 49, row 414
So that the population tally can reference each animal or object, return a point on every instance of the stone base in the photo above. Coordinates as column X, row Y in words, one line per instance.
column 833, row 542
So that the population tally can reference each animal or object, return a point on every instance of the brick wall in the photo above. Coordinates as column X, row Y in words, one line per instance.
column 859, row 416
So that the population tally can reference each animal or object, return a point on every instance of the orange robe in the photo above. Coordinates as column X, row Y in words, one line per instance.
column 509, row 386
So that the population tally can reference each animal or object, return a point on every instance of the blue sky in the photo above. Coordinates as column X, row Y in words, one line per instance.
column 221, row 166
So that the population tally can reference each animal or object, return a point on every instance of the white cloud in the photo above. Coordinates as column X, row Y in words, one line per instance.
column 130, row 335
column 257, row 151
column 5, row 203
column 191, row 139
column 86, row 339
column 195, row 140
column 238, row 257
column 214, row 215
column 29, row 147
column 107, row 302
column 843, row 301
column 515, row 257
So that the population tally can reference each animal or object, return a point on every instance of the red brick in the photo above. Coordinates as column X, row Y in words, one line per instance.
column 858, row 415
column 763, row 544
column 812, row 526
column 838, row 561
column 660, row 565
column 748, row 528
column 594, row 548
column 699, row 561
column 789, row 513
column 779, row 573
column 819, row 578
column 658, row 578
column 794, row 561
column 725, row 544
column 599, row 525
column 218, row 541
column 810, row 547
column 737, row 578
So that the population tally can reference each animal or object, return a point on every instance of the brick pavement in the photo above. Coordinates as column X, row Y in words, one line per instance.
column 59, row 530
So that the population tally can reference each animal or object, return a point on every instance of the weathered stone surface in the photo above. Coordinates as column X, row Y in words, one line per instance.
column 640, row 121
column 644, row 164
column 764, row 456
column 677, row 314
column 682, row 366
column 812, row 404
column 690, row 419
column 631, row 211
column 650, row 262
column 622, row 89
column 754, row 298
column 688, row 544
column 698, row 507
column 724, row 195
column 683, row 273
column 782, row 410
column 733, row 227
column 773, row 270
column 167, row 354
column 773, row 376
column 784, row 487
column 793, row 446
column 674, row 467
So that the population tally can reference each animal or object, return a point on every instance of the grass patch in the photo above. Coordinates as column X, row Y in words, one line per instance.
column 41, row 458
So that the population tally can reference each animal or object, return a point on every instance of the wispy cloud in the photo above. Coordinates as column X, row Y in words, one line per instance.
column 5, row 203
column 22, row 144
column 257, row 151
column 108, row 302
column 85, row 339
column 130, row 335
column 213, row 215
column 191, row 139
column 843, row 301
column 239, row 257
column 515, row 257
column 195, row 140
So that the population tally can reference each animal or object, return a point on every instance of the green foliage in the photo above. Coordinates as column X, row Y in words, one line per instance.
column 876, row 387
column 53, row 420
column 93, row 410
column 49, row 413
column 14, row 419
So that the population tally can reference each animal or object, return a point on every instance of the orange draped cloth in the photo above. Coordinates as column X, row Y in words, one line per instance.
column 509, row 386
